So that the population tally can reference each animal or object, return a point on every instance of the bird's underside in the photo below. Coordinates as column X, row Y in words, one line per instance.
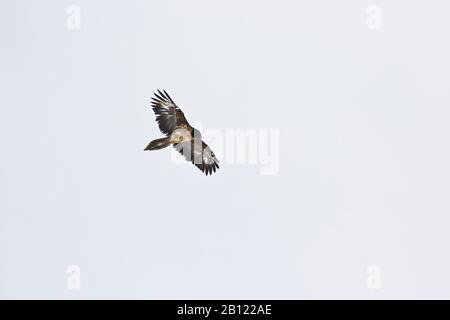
column 180, row 134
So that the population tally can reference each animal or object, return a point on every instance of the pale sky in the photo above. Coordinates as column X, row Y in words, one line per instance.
column 361, row 105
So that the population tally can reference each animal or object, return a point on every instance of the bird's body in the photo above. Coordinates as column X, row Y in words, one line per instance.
column 186, row 139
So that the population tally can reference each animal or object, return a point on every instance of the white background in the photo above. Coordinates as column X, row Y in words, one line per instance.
column 364, row 160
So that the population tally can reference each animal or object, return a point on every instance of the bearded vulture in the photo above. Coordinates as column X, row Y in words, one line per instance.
column 179, row 133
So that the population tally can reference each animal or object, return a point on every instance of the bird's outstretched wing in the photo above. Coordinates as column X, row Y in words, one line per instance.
column 168, row 115
column 198, row 152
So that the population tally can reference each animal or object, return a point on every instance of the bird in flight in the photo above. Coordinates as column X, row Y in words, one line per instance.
column 179, row 133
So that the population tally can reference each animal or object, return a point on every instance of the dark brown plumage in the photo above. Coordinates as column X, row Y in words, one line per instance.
column 179, row 133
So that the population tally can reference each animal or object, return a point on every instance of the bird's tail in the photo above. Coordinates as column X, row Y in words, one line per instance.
column 159, row 144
